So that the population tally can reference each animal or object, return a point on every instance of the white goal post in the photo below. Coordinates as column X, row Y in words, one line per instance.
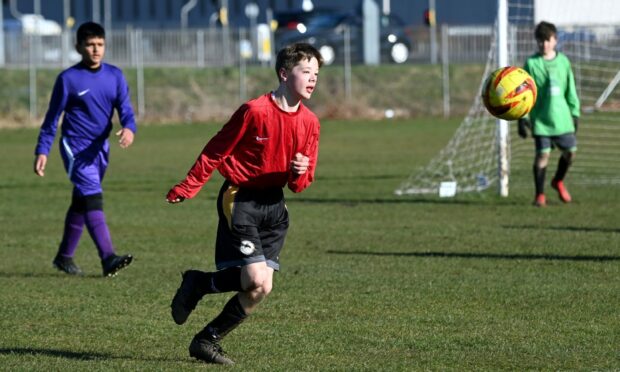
column 503, row 161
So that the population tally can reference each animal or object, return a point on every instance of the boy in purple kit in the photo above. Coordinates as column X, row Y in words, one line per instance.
column 87, row 93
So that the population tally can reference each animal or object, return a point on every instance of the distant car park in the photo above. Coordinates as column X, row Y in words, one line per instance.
column 327, row 31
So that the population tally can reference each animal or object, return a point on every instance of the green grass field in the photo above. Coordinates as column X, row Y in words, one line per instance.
column 369, row 281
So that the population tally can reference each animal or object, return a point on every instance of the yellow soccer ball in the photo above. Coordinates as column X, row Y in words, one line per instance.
column 509, row 93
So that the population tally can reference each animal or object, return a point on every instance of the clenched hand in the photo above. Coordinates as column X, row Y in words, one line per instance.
column 300, row 164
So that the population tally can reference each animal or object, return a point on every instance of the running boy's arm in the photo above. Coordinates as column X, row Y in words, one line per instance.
column 57, row 105
column 220, row 146
column 302, row 176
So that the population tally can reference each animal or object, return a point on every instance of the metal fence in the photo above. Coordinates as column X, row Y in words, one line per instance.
column 217, row 47
column 174, row 48
column 212, row 47
column 237, row 49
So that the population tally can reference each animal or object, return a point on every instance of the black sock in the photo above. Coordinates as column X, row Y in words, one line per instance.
column 227, row 280
column 563, row 166
column 203, row 285
column 539, row 179
column 231, row 316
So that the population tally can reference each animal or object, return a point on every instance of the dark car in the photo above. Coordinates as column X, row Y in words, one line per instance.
column 327, row 31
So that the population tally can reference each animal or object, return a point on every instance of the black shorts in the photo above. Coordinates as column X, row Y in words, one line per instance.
column 565, row 142
column 252, row 226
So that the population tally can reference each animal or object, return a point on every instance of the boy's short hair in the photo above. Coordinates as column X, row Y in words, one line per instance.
column 290, row 55
column 88, row 30
column 544, row 31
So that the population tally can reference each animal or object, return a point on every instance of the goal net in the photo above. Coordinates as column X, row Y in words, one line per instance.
column 589, row 34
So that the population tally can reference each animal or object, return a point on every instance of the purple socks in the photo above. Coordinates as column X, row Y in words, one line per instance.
column 97, row 227
column 74, row 224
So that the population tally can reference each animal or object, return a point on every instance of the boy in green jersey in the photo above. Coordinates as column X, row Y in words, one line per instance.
column 554, row 117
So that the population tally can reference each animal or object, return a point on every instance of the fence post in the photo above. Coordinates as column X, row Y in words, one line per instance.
column 242, row 67
column 139, row 49
column 131, row 36
column 433, row 31
column 347, row 63
column 66, row 47
column 2, row 53
column 445, row 63
column 200, row 52
column 33, row 78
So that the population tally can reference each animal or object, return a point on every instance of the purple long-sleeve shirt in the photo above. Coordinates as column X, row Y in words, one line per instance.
column 88, row 99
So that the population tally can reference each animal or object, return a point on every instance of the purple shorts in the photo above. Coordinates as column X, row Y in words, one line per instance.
column 85, row 162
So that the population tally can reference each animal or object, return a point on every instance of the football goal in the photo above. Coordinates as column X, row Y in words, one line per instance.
column 487, row 154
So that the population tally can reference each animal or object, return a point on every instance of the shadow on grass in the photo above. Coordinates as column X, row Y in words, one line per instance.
column 483, row 255
column 49, row 275
column 55, row 353
column 83, row 355
column 566, row 228
column 357, row 177
column 405, row 200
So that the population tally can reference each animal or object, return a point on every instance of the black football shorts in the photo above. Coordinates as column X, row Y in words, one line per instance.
column 565, row 142
column 252, row 226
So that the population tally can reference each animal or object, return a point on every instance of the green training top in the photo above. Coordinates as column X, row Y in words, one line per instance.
column 557, row 100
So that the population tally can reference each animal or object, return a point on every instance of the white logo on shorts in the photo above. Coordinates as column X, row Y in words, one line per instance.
column 247, row 247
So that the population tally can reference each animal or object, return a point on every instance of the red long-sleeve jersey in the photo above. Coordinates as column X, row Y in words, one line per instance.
column 254, row 149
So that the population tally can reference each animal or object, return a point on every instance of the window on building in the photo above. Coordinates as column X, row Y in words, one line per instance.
column 136, row 9
column 73, row 8
column 153, row 8
column 120, row 10
column 168, row 9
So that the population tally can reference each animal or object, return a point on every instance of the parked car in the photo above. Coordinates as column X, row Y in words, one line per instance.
column 326, row 30
column 32, row 24
column 19, row 39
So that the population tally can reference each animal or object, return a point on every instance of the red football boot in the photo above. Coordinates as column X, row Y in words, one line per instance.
column 540, row 200
column 562, row 192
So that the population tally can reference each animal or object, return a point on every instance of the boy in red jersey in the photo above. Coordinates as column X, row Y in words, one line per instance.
column 269, row 142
